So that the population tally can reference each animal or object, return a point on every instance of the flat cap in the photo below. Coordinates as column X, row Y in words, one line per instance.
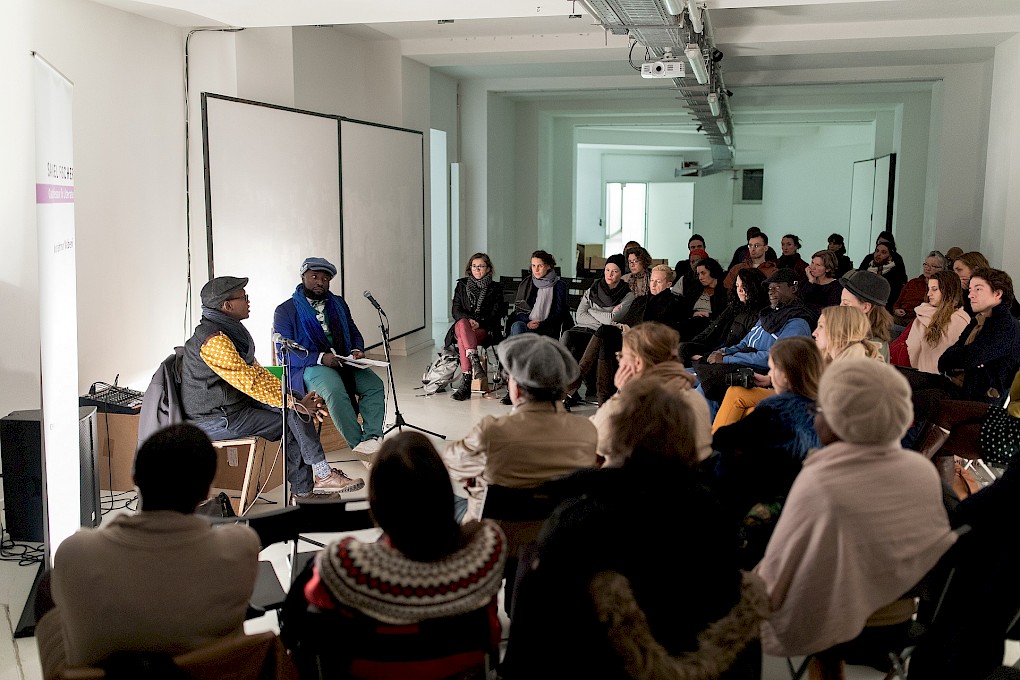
column 867, row 286
column 537, row 361
column 318, row 264
column 216, row 292
column 784, row 275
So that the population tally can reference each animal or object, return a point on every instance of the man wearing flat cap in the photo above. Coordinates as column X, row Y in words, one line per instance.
column 228, row 394
column 321, row 322
column 538, row 441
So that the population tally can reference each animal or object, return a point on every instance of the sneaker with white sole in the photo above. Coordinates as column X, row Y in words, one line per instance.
column 337, row 482
column 368, row 447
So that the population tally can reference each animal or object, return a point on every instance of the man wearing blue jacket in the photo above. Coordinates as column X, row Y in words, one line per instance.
column 321, row 322
column 785, row 317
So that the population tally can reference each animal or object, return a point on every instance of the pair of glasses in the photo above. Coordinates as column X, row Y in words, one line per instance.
column 242, row 297
column 479, row 266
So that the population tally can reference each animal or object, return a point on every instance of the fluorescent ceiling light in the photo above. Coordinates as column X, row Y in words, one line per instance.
column 695, row 14
column 722, row 127
column 694, row 56
column 728, row 139
column 674, row 7
column 713, row 104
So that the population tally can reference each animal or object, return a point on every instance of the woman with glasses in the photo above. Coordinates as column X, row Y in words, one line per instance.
column 638, row 263
column 915, row 291
column 477, row 311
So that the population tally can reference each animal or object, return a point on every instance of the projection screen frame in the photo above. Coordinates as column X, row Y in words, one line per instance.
column 418, row 325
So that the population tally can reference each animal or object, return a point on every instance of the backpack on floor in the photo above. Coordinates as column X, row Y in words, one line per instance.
column 440, row 373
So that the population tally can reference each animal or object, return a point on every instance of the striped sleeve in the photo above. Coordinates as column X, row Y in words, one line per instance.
column 221, row 356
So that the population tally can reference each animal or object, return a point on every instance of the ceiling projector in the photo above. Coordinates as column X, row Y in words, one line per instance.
column 663, row 68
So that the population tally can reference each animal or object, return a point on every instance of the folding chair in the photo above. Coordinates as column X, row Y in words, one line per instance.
column 931, row 592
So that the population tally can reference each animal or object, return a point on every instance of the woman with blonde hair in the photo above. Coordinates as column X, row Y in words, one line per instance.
column 844, row 333
column 938, row 324
column 650, row 349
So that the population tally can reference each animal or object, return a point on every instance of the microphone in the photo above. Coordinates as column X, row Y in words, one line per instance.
column 368, row 296
column 286, row 342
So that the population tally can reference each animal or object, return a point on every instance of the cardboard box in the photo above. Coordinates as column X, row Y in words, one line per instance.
column 245, row 468
column 587, row 250
column 330, row 436
column 595, row 263
column 118, row 441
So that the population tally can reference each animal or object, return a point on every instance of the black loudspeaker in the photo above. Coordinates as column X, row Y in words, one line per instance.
column 21, row 451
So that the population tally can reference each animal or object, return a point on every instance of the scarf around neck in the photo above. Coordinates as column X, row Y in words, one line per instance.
column 774, row 318
column 603, row 296
column 544, row 298
column 335, row 316
column 476, row 292
column 234, row 330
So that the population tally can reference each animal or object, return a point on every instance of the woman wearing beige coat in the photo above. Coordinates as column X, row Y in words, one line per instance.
column 651, row 349
column 939, row 322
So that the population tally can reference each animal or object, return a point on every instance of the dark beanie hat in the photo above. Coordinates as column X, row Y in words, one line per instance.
column 618, row 260
column 867, row 286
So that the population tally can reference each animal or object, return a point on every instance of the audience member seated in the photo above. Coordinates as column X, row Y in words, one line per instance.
column 689, row 279
column 538, row 441
column 757, row 247
column 420, row 601
column 967, row 642
column 705, row 300
column 964, row 266
column 660, row 305
column 321, row 322
column 838, row 248
column 791, row 259
column 227, row 394
column 821, row 289
column 477, row 314
column 845, row 333
column 883, row 264
column 984, row 360
column 951, row 256
column 615, row 591
column 541, row 304
column 746, row 301
column 740, row 254
column 603, row 305
column 650, row 350
column 862, row 524
column 972, row 430
column 638, row 262
column 886, row 238
column 841, row 333
column 938, row 324
column 760, row 455
column 695, row 242
column 786, row 316
column 163, row 580
column 915, row 291
column 869, row 293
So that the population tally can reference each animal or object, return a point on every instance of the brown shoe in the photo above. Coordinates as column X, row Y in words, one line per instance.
column 337, row 482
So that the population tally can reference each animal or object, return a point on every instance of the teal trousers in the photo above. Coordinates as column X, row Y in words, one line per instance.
column 368, row 386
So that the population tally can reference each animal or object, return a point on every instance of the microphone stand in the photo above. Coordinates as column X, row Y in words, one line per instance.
column 285, row 357
column 398, row 419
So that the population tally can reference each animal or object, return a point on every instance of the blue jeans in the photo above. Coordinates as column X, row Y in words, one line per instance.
column 367, row 385
column 260, row 420
column 519, row 328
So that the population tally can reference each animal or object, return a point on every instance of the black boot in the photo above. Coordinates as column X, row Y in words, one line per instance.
column 476, row 365
column 464, row 391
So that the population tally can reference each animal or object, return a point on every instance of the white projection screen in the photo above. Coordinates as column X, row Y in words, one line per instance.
column 383, row 226
column 274, row 184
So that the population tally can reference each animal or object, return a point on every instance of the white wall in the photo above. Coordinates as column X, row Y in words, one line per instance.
column 999, row 224
column 19, row 276
column 807, row 185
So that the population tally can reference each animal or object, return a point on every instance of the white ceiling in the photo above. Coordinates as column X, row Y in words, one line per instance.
column 541, row 49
